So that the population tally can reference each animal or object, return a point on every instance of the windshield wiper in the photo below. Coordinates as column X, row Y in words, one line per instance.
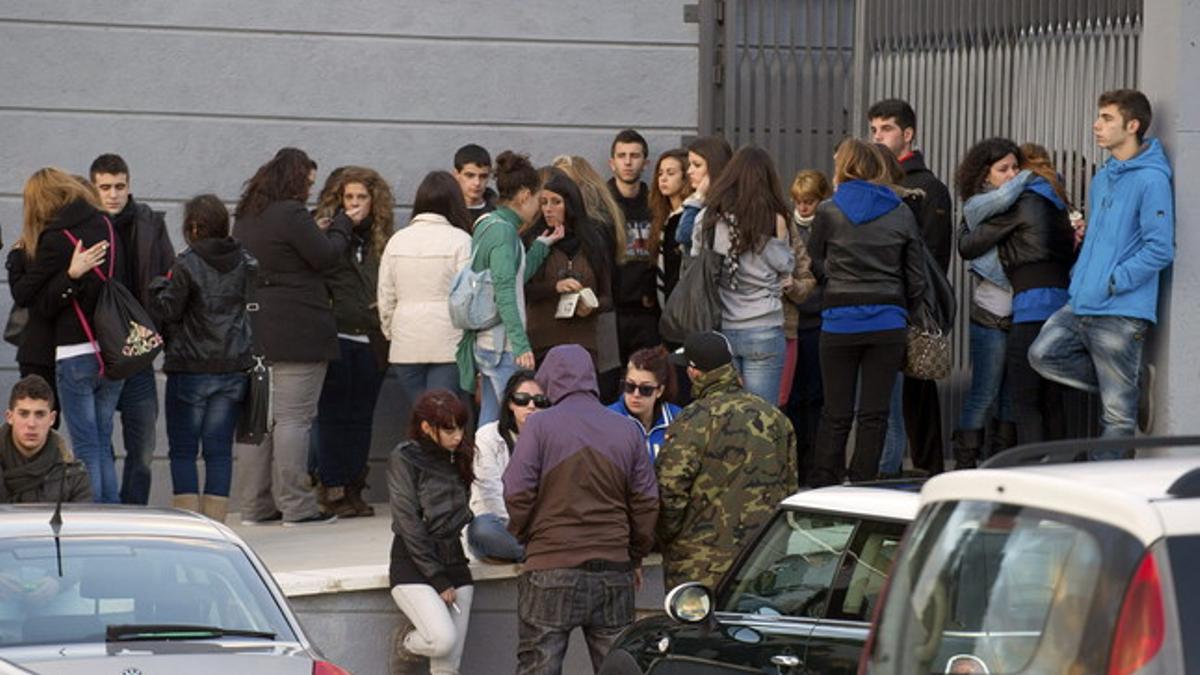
column 171, row 631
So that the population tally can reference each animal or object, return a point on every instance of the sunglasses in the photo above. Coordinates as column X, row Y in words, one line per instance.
column 642, row 389
column 522, row 399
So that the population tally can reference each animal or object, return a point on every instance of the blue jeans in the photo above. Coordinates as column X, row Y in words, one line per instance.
column 759, row 354
column 892, row 459
column 138, row 406
column 1095, row 353
column 202, row 412
column 345, row 413
column 988, row 387
column 488, row 537
column 402, row 384
column 495, row 369
column 89, row 403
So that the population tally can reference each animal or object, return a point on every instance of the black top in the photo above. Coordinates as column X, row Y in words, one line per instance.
column 635, row 283
column 934, row 214
column 1033, row 238
column 429, row 510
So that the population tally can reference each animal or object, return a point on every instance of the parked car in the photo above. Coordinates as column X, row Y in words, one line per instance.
column 1051, row 568
column 138, row 590
column 798, row 598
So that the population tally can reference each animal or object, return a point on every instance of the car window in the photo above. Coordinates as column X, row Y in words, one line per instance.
column 864, row 570
column 1013, row 588
column 107, row 582
column 791, row 569
column 1184, row 553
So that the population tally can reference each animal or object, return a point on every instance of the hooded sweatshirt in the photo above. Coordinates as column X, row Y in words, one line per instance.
column 579, row 485
column 1130, row 237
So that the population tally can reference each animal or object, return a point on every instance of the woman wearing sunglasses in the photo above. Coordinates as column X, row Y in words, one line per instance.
column 648, row 386
column 487, row 535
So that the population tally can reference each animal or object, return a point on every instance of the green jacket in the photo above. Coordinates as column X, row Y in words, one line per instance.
column 495, row 245
column 728, row 460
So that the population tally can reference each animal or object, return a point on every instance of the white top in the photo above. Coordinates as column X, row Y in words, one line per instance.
column 491, row 458
column 994, row 299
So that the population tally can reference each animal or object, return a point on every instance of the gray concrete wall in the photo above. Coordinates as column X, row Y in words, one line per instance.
column 196, row 95
column 1171, row 81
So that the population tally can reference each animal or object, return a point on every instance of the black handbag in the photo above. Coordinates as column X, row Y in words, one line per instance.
column 694, row 305
column 18, row 318
column 255, row 419
column 121, row 330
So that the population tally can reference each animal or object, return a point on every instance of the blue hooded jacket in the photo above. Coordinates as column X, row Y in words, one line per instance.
column 1130, row 237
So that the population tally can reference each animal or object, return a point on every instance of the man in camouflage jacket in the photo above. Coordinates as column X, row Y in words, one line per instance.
column 728, row 460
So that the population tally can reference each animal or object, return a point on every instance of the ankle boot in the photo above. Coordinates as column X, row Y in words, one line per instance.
column 189, row 501
column 333, row 500
column 214, row 507
column 1004, row 435
column 354, row 496
column 966, row 444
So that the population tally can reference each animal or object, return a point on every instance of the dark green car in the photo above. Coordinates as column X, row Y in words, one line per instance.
column 798, row 599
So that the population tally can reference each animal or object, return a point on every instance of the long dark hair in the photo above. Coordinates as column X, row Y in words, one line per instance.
column 716, row 153
column 974, row 168
column 749, row 191
column 284, row 177
column 441, row 409
column 660, row 204
column 577, row 221
column 508, row 421
column 439, row 193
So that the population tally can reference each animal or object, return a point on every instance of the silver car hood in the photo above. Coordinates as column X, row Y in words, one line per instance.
column 165, row 658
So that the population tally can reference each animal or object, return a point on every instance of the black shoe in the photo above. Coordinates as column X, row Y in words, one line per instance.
column 318, row 518
column 269, row 520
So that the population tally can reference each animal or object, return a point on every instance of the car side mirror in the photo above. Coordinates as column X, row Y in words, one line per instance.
column 689, row 603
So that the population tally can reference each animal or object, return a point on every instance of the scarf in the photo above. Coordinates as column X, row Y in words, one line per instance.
column 23, row 474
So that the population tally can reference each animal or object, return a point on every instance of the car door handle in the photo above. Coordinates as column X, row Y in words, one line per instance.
column 785, row 660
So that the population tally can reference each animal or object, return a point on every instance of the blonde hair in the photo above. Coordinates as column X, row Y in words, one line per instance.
column 810, row 184
column 382, row 203
column 856, row 160
column 47, row 191
column 597, row 200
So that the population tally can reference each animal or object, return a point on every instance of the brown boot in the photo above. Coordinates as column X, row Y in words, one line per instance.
column 214, row 507
column 333, row 500
column 189, row 501
column 354, row 495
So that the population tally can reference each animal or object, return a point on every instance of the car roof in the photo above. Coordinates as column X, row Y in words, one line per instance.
column 887, row 500
column 87, row 520
column 1130, row 494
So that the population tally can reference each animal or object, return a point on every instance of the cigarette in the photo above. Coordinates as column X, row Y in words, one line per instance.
column 455, row 606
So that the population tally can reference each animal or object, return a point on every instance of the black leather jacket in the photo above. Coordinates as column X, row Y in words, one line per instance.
column 429, row 509
column 201, row 305
column 881, row 262
column 1033, row 238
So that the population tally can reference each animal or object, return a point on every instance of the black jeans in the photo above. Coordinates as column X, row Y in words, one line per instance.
column 551, row 603
column 923, row 424
column 876, row 357
column 342, row 432
column 1037, row 403
column 805, row 400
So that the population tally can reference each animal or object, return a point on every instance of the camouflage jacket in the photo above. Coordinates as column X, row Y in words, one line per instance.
column 728, row 460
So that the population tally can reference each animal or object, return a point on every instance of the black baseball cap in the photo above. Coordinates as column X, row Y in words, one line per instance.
column 704, row 351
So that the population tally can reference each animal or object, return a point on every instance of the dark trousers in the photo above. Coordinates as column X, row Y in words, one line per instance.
column 139, row 416
column 876, row 357
column 344, row 414
column 636, row 329
column 923, row 424
column 805, row 400
column 551, row 603
column 1037, row 403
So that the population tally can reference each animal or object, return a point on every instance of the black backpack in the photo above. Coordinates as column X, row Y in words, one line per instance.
column 121, row 332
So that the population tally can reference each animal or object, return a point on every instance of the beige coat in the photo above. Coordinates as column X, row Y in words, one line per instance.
column 418, row 265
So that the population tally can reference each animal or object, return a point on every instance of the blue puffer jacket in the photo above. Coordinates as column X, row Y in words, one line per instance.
column 1130, row 237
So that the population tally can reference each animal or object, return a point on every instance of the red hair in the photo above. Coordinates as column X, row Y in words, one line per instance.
column 441, row 409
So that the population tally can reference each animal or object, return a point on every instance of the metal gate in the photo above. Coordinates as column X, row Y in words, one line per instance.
column 778, row 74
column 1029, row 70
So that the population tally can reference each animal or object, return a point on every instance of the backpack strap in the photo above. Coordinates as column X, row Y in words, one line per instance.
column 87, row 327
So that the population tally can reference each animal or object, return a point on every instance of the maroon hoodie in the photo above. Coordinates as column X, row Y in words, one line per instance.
column 579, row 485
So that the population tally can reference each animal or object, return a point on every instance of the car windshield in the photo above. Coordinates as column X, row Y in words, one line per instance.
column 108, row 582
column 993, row 588
column 791, row 569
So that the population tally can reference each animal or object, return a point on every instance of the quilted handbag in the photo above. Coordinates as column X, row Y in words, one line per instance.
column 927, row 352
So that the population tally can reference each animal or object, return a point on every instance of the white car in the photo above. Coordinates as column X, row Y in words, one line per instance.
column 1048, row 568
column 117, row 589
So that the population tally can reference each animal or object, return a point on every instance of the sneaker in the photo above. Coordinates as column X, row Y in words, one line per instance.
column 400, row 660
column 1145, row 410
column 269, row 520
column 318, row 518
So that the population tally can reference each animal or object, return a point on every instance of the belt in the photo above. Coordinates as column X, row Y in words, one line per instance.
column 605, row 566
